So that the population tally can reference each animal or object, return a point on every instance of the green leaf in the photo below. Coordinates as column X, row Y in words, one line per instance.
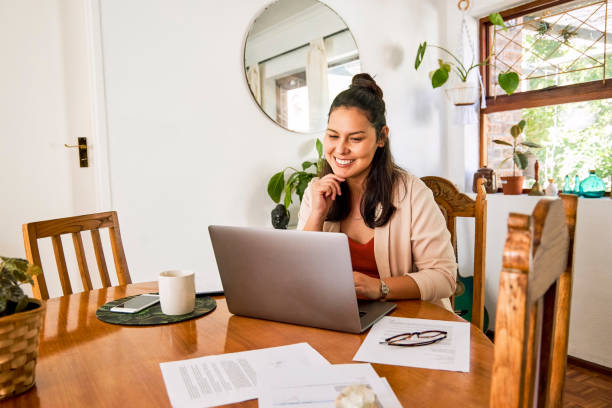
column 444, row 65
column 319, row 147
column 508, row 81
column 307, row 164
column 515, row 131
column 302, row 184
column 288, row 199
column 22, row 304
column 420, row 55
column 502, row 142
column 521, row 124
column 3, row 302
column 531, row 144
column 439, row 77
column 496, row 19
column 520, row 159
column 276, row 185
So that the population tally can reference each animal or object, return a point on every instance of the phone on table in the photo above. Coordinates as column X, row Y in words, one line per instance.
column 136, row 304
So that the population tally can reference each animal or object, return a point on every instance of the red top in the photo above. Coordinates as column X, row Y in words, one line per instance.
column 362, row 257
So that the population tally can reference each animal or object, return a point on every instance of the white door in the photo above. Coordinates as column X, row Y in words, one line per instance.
column 49, row 98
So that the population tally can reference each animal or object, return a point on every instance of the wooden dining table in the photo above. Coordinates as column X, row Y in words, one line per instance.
column 84, row 362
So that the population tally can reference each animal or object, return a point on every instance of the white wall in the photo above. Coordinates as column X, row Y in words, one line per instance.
column 188, row 145
column 43, row 104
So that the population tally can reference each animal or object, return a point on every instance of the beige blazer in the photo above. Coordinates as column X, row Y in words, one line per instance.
column 414, row 242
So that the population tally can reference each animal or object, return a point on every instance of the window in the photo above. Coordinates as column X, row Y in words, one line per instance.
column 562, row 50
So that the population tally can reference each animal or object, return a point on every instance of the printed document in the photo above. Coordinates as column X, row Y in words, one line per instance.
column 452, row 353
column 227, row 378
column 318, row 387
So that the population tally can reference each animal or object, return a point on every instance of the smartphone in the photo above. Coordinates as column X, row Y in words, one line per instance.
column 136, row 304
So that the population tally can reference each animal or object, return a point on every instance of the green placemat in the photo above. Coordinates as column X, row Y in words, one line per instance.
column 152, row 315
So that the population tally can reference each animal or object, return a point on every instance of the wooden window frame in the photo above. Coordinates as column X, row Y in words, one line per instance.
column 586, row 91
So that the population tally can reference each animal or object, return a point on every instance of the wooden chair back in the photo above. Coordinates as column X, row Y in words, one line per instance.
column 533, row 305
column 455, row 204
column 74, row 225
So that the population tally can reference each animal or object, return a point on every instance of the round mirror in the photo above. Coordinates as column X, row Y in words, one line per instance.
column 298, row 56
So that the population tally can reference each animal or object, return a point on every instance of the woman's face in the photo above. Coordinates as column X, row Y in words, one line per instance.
column 350, row 143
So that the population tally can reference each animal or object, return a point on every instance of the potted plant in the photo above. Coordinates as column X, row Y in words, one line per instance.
column 514, row 184
column 20, row 322
column 465, row 93
column 296, row 182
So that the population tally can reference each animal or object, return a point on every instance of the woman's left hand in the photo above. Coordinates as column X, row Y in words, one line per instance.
column 366, row 286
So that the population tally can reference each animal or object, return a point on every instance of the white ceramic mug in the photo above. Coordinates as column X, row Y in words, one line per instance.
column 177, row 292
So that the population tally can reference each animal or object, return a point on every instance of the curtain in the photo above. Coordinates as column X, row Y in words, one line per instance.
column 316, row 79
column 254, row 81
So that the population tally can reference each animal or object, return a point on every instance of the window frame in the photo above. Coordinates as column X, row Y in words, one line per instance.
column 586, row 91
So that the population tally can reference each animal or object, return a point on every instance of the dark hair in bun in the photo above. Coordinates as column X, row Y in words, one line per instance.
column 365, row 95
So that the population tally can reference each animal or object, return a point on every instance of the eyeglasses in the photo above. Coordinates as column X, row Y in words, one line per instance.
column 415, row 339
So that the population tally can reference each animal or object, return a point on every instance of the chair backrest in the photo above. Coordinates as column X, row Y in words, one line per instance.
column 455, row 204
column 533, row 305
column 74, row 225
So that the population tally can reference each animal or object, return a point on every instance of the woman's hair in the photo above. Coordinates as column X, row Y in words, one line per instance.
column 365, row 95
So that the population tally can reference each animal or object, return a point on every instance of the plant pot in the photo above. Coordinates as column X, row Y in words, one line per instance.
column 512, row 185
column 19, row 336
column 463, row 94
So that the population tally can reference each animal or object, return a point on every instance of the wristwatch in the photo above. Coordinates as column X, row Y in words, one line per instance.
column 384, row 290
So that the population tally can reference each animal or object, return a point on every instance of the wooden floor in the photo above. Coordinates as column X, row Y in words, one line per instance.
column 586, row 388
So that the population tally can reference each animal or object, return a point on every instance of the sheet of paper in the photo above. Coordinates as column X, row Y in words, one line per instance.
column 318, row 387
column 227, row 378
column 207, row 283
column 452, row 353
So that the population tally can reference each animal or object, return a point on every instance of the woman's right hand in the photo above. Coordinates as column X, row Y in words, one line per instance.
column 324, row 192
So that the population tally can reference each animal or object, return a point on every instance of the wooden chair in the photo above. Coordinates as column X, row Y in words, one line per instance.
column 533, row 305
column 455, row 204
column 74, row 225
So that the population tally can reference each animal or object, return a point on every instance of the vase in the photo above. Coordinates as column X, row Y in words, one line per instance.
column 567, row 189
column 463, row 94
column 280, row 217
column 592, row 186
column 19, row 336
column 512, row 185
column 551, row 188
column 576, row 186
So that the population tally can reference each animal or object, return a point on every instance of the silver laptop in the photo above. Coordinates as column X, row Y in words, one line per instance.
column 298, row 277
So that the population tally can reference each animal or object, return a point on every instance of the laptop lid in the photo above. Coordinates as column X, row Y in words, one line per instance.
column 300, row 277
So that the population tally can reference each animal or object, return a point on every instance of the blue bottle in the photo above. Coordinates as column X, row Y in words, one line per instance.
column 592, row 186
column 576, row 186
column 566, row 185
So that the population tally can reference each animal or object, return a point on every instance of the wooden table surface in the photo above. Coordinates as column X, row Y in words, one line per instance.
column 88, row 363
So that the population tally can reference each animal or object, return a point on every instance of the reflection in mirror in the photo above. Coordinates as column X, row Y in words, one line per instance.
column 298, row 56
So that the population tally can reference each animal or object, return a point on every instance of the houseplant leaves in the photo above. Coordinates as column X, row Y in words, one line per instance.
column 420, row 55
column 508, row 81
column 276, row 186
column 520, row 159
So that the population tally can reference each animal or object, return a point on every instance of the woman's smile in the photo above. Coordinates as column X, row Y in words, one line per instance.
column 343, row 162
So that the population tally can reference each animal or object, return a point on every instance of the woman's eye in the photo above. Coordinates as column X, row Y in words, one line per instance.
column 332, row 136
column 356, row 139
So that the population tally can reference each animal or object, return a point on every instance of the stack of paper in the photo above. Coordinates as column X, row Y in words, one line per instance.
column 318, row 387
column 295, row 375
column 452, row 353
column 227, row 378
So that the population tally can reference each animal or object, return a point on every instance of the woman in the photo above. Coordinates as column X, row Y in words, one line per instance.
column 400, row 246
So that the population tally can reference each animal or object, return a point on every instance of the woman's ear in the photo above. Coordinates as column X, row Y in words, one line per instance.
column 384, row 135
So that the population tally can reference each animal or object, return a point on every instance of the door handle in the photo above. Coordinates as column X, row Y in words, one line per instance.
column 82, row 146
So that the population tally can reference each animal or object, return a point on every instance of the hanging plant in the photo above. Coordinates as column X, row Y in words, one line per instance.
column 508, row 80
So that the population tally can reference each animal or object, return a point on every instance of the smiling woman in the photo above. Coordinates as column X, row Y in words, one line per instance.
column 390, row 217
column 298, row 54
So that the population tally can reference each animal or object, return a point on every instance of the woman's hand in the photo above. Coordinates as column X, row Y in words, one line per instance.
column 324, row 192
column 366, row 286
